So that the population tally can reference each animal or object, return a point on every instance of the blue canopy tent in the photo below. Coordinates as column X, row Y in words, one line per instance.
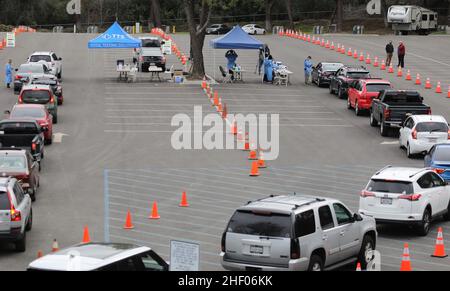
column 114, row 38
column 237, row 38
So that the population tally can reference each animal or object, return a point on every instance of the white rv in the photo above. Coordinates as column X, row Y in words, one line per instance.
column 405, row 19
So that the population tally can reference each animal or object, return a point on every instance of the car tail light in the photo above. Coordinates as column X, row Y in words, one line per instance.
column 410, row 197
column 414, row 134
column 33, row 147
column 18, row 77
column 365, row 193
column 15, row 215
column 141, row 58
column 387, row 113
column 295, row 249
column 439, row 171
column 449, row 134
column 52, row 100
column 20, row 100
column 222, row 242
column 163, row 60
column 429, row 111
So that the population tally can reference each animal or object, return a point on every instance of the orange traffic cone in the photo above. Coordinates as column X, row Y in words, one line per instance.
column 332, row 47
column 383, row 66
column 184, row 201
column 261, row 161
column 86, row 237
column 408, row 76
column 438, row 88
column 439, row 251
column 224, row 111
column 204, row 83
column 361, row 57
column 428, row 84
column 355, row 54
column 391, row 69
column 128, row 221
column 254, row 172
column 448, row 92
column 1, row 45
column 55, row 246
column 328, row 44
column 216, row 100
column 234, row 127
column 399, row 72
column 349, row 53
column 358, row 267
column 253, row 155
column 343, row 50
column 154, row 214
column 368, row 60
column 406, row 260
column 40, row 254
column 375, row 62
column 418, row 81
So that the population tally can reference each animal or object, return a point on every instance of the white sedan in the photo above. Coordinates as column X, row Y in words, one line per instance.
column 420, row 133
column 254, row 29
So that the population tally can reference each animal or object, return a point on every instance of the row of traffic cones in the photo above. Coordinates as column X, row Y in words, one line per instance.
column 405, row 265
column 341, row 49
column 180, row 55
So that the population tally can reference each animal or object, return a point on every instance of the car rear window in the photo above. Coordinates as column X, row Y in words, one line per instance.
column 358, row 75
column 442, row 154
column 38, row 58
column 261, row 224
column 12, row 163
column 28, row 112
column 386, row 186
column 398, row 98
column 44, row 82
column 331, row 67
column 19, row 127
column 33, row 95
column 377, row 87
column 151, row 43
column 431, row 126
column 31, row 69
column 4, row 201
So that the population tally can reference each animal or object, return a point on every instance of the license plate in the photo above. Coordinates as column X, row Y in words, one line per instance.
column 259, row 250
column 386, row 201
column 432, row 140
column 152, row 64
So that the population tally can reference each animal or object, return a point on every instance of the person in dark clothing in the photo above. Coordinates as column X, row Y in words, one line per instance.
column 401, row 51
column 260, row 61
column 389, row 53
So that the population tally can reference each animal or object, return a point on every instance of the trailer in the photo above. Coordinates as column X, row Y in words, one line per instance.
column 408, row 18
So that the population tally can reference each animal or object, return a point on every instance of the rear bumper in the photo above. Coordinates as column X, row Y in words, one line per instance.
column 394, row 218
column 420, row 147
column 364, row 104
column 232, row 265
column 14, row 235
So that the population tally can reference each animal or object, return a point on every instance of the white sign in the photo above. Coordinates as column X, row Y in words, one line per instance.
column 374, row 7
column 138, row 28
column 10, row 39
column 74, row 7
column 167, row 47
column 184, row 256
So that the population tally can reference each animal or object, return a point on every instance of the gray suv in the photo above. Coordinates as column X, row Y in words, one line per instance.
column 297, row 233
column 16, row 215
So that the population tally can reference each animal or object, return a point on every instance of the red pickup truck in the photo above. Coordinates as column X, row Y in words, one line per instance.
column 362, row 92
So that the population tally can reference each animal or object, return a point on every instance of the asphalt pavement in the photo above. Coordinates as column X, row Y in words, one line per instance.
column 116, row 152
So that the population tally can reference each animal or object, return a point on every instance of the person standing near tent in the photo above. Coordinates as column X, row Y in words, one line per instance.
column 308, row 70
column 268, row 69
column 231, row 57
column 260, row 61
column 8, row 74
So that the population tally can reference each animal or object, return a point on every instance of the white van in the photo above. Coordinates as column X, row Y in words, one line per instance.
column 405, row 19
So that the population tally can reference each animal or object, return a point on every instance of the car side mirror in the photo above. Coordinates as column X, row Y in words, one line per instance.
column 7, row 112
column 357, row 217
column 60, row 59
column 16, row 70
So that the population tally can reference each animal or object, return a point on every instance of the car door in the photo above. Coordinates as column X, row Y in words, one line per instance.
column 150, row 261
column 333, row 80
column 349, row 232
column 440, row 187
column 315, row 72
column 405, row 131
column 429, row 192
column 33, row 168
column 57, row 63
column 23, row 203
column 353, row 92
column 330, row 235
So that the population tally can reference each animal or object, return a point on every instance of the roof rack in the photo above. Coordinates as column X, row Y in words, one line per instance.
column 12, row 148
column 379, row 171
column 418, row 172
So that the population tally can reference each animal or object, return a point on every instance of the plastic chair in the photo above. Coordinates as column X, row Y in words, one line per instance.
column 226, row 77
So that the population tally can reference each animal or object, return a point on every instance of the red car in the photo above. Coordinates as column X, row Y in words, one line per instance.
column 362, row 92
column 36, row 112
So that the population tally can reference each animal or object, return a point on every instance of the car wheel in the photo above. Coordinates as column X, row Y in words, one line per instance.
column 331, row 89
column 40, row 167
column 30, row 222
column 319, row 82
column 60, row 75
column 367, row 248
column 21, row 244
column 55, row 119
column 373, row 122
column 33, row 194
column 340, row 93
column 357, row 111
column 315, row 264
column 408, row 152
column 349, row 104
column 447, row 215
column 424, row 226
column 384, row 129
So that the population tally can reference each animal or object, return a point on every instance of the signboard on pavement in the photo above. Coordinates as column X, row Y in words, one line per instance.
column 10, row 39
column 184, row 256
column 167, row 47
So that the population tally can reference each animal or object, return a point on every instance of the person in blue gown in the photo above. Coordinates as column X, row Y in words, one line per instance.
column 268, row 69
column 8, row 74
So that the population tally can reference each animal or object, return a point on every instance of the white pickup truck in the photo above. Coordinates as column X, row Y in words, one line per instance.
column 150, row 54
column 52, row 62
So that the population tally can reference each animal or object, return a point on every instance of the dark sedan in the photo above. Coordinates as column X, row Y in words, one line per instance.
column 218, row 29
column 25, row 71
column 340, row 81
column 323, row 71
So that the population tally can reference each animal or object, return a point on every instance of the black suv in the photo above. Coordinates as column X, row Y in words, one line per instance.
column 340, row 81
column 218, row 29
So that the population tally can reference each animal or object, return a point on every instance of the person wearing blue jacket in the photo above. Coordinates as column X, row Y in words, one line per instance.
column 308, row 70
column 268, row 69
column 8, row 74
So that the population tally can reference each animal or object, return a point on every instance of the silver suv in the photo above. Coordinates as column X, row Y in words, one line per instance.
column 297, row 233
column 16, row 215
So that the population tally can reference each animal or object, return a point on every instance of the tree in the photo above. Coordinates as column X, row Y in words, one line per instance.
column 197, row 32
column 268, row 6
column 156, row 13
column 289, row 12
column 339, row 14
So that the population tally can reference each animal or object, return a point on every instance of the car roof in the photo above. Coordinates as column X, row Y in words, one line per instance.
column 285, row 204
column 356, row 69
column 19, row 120
column 32, row 64
column 43, row 76
column 87, row 257
column 42, row 53
column 36, row 87
column 12, row 151
column 442, row 145
column 40, row 106
column 149, row 38
column 404, row 174
column 426, row 118
column 376, row 81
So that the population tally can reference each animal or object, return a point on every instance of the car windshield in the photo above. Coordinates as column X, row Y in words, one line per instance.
column 36, row 96
column 377, row 87
column 215, row 26
column 358, row 75
column 399, row 10
column 442, row 154
column 12, row 163
column 31, row 69
column 44, row 82
column 21, row 112
column 151, row 43
column 431, row 126
column 38, row 58
column 19, row 128
column 331, row 67
column 265, row 224
column 387, row 186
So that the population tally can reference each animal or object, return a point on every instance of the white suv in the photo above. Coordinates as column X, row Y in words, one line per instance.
column 16, row 215
column 419, row 133
column 296, row 233
column 406, row 195
column 53, row 62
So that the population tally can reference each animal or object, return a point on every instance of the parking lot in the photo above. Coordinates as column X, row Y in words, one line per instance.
column 115, row 154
